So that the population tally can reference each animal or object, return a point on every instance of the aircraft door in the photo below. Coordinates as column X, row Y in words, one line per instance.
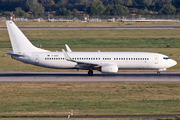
column 156, row 59
column 37, row 59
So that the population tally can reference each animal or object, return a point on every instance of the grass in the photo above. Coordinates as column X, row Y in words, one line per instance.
column 57, row 99
column 92, row 24
column 87, row 118
column 100, row 39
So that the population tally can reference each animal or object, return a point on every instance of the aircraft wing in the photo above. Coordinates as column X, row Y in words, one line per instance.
column 14, row 54
column 81, row 63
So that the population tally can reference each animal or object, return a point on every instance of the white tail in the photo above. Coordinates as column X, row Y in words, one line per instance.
column 19, row 41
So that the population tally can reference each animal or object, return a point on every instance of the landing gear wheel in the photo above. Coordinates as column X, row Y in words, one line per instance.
column 90, row 72
column 158, row 73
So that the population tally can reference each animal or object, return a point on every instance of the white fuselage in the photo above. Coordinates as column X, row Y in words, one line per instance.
column 123, row 60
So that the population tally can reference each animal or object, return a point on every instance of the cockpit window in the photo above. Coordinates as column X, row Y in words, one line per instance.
column 166, row 58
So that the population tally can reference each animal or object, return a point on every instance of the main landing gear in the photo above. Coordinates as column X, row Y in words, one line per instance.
column 90, row 72
column 158, row 73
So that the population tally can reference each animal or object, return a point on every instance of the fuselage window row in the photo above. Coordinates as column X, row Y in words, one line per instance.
column 73, row 58
column 98, row 58
column 54, row 59
column 131, row 58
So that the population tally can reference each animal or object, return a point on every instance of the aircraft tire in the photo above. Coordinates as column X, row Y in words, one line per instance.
column 90, row 72
column 158, row 73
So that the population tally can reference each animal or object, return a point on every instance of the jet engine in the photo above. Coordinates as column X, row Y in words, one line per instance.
column 109, row 68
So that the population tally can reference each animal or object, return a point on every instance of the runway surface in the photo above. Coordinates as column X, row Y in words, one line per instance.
column 94, row 28
column 83, row 77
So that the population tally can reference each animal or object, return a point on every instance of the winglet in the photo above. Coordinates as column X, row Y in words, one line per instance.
column 67, row 56
column 68, row 49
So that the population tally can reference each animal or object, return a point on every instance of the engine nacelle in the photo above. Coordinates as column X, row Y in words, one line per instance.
column 109, row 68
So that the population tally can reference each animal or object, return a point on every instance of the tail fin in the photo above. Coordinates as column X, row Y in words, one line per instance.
column 19, row 41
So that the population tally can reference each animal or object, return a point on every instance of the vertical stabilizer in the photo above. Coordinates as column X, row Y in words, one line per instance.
column 19, row 41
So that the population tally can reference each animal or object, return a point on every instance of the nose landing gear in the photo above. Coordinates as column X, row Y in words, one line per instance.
column 90, row 72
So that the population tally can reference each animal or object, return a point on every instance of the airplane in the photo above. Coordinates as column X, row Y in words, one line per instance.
column 105, row 62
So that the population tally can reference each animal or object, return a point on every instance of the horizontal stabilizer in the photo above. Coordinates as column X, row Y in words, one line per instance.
column 14, row 54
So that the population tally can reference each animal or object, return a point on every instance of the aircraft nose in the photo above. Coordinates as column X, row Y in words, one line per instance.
column 173, row 62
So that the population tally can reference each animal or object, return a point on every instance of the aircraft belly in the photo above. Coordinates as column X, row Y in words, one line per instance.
column 135, row 65
column 58, row 64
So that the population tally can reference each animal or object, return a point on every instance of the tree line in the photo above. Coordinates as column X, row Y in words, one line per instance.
column 91, row 7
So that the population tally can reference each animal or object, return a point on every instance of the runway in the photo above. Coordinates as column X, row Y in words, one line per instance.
column 104, row 116
column 83, row 77
column 95, row 28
